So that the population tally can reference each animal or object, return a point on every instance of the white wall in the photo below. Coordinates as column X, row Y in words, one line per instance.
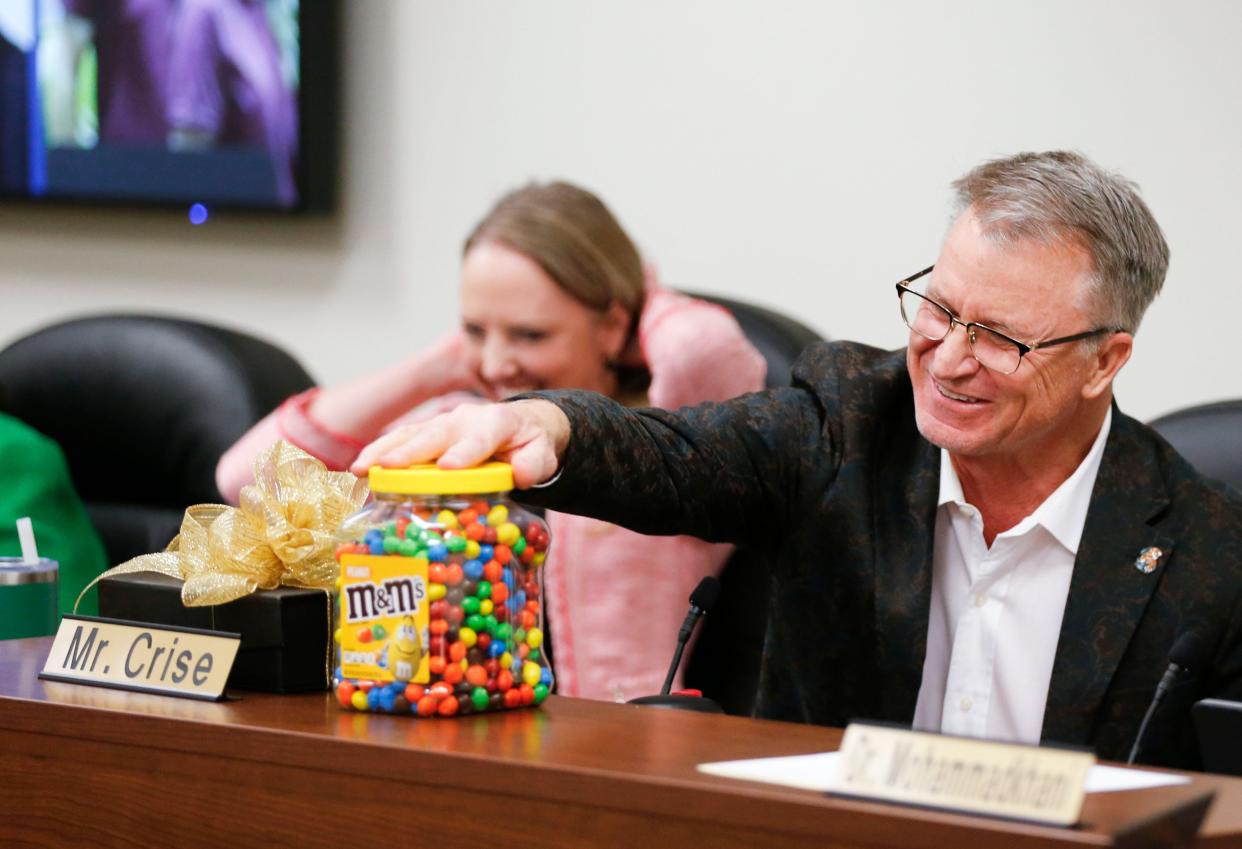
column 795, row 154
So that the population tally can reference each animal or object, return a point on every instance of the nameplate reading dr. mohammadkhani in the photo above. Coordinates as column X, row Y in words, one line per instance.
column 136, row 656
column 1009, row 780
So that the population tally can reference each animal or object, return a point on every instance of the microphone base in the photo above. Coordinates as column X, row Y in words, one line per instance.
column 675, row 701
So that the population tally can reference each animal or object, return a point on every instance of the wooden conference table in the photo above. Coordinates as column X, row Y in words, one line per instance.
column 85, row 766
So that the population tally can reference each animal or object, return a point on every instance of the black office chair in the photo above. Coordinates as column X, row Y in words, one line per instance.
column 725, row 661
column 1210, row 437
column 143, row 407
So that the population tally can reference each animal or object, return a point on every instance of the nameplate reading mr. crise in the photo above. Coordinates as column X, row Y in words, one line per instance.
column 172, row 661
column 1009, row 780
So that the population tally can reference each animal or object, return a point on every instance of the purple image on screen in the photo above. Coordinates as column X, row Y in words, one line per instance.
column 225, row 83
column 131, row 49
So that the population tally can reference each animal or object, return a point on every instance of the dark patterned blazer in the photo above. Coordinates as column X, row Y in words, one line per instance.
column 831, row 479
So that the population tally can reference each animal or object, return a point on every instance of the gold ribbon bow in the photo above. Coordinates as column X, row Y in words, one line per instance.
column 283, row 534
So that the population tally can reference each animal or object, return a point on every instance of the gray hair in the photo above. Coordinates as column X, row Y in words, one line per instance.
column 1058, row 196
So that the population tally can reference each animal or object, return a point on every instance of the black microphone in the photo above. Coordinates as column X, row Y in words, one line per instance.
column 701, row 600
column 1185, row 655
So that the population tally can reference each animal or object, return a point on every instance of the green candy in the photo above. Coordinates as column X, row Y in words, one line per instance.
column 518, row 547
column 379, row 632
column 541, row 692
column 484, row 590
column 476, row 623
column 533, row 655
column 470, row 604
column 391, row 545
column 456, row 544
column 478, row 697
column 504, row 631
column 490, row 623
column 414, row 532
column 408, row 548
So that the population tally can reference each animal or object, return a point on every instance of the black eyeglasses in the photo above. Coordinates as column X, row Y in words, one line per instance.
column 991, row 348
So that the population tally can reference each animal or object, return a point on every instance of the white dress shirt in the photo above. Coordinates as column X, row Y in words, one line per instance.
column 996, row 612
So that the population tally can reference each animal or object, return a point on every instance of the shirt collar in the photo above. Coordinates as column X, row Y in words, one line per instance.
column 1063, row 513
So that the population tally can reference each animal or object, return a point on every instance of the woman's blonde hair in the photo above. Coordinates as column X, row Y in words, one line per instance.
column 575, row 240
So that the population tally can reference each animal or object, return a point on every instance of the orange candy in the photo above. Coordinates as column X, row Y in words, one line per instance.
column 493, row 571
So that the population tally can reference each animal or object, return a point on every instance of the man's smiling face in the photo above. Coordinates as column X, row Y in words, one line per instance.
column 1029, row 291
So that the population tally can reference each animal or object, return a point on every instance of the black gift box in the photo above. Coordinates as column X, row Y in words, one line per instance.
column 286, row 633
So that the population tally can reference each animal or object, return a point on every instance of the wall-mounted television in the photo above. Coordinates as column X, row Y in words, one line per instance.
column 201, row 103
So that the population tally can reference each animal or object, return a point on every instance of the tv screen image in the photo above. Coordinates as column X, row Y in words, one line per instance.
column 196, row 102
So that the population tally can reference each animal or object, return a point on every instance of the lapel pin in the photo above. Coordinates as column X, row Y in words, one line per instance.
column 1148, row 559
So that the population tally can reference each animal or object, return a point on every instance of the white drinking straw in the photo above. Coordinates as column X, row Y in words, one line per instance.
column 25, row 534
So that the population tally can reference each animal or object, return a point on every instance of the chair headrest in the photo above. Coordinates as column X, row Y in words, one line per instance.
column 144, row 404
column 1210, row 437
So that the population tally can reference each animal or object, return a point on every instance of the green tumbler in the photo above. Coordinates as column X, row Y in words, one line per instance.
column 28, row 598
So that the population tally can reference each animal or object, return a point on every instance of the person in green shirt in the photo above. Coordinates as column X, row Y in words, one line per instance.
column 34, row 482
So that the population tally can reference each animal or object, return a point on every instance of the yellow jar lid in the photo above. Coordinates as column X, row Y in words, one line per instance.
column 430, row 479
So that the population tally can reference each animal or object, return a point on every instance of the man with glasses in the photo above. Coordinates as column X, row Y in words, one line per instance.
column 966, row 535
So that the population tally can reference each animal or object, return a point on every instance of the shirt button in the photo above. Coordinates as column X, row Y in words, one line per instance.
column 965, row 704
column 981, row 599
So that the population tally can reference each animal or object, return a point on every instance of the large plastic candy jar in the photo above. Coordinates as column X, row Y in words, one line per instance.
column 439, row 596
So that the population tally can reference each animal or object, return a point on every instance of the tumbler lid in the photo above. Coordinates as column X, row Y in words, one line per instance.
column 430, row 479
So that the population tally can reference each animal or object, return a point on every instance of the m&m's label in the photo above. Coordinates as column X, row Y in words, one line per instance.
column 383, row 626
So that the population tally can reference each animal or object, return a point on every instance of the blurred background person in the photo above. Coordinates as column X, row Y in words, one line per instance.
column 554, row 295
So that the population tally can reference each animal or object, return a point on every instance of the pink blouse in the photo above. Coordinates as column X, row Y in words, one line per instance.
column 614, row 598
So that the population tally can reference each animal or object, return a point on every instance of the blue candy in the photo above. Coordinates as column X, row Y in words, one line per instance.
column 437, row 552
column 473, row 569
column 545, row 677
column 373, row 698
column 496, row 648
column 486, row 553
column 387, row 698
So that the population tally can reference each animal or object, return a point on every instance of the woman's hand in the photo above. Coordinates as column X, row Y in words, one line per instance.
column 530, row 435
column 451, row 362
